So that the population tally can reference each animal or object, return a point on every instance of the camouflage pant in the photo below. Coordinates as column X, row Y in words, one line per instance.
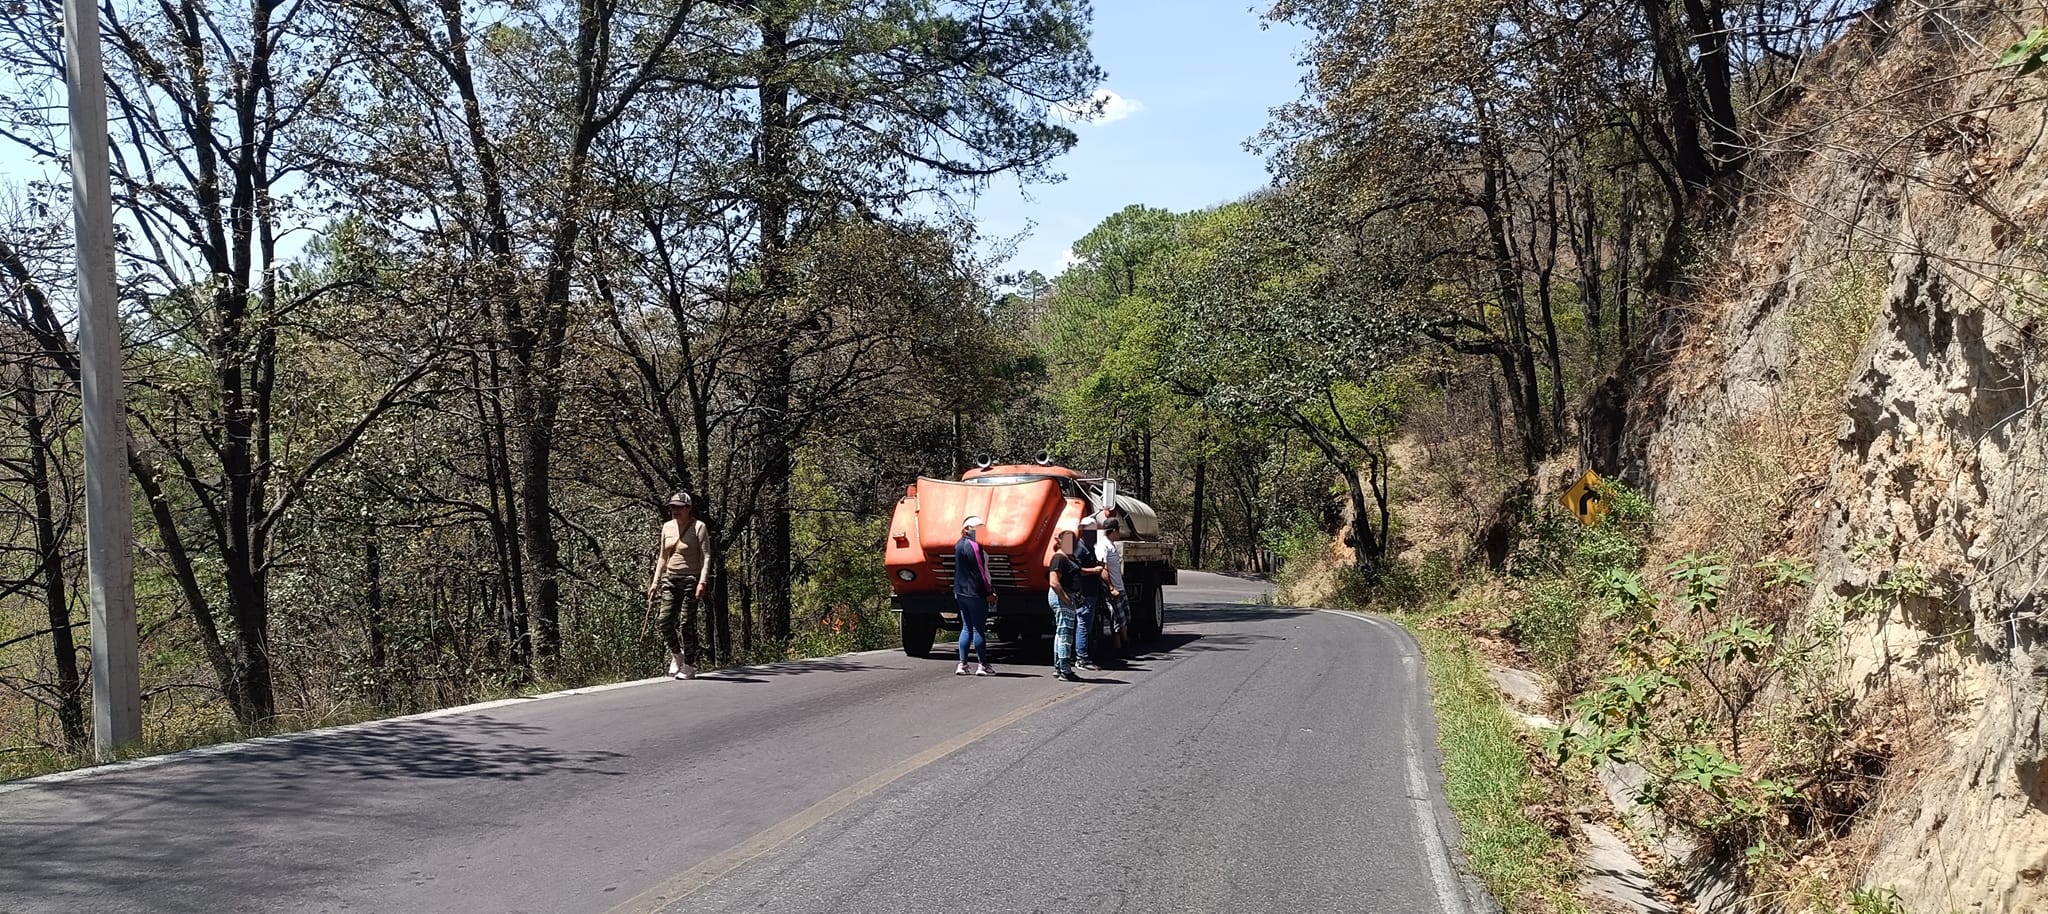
column 679, row 615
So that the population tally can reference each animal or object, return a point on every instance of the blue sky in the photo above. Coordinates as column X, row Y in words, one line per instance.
column 1198, row 77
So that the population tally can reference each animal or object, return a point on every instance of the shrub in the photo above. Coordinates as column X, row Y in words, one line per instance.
column 1546, row 623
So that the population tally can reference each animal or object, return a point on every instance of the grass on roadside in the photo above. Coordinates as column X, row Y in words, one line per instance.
column 1489, row 784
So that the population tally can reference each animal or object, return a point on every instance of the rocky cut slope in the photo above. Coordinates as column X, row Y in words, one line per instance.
column 1857, row 380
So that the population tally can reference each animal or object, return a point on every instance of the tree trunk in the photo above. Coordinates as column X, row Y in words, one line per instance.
column 1366, row 550
column 537, row 402
column 1554, row 360
column 747, row 619
column 1517, row 356
column 774, row 457
column 1195, row 528
column 1546, row 281
column 1689, row 157
column 533, row 410
column 718, row 609
column 509, row 601
column 1145, row 470
column 373, row 607
column 959, row 445
column 1708, row 21
column 50, row 561
column 1624, row 260
column 1586, row 250
column 772, row 566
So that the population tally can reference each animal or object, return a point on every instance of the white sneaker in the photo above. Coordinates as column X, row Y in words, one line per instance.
column 688, row 672
column 984, row 671
column 960, row 670
column 675, row 664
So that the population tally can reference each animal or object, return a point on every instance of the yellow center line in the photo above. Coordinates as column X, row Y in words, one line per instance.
column 710, row 870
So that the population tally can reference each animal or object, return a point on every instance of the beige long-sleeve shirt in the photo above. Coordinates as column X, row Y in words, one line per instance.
column 684, row 551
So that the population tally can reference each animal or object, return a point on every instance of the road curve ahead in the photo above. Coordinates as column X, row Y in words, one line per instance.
column 1258, row 759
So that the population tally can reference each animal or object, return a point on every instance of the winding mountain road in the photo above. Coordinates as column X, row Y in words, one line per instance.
column 1256, row 759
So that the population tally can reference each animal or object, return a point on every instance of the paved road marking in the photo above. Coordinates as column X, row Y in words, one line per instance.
column 706, row 872
column 1450, row 899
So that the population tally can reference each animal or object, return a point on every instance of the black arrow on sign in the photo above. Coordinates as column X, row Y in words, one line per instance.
column 1586, row 501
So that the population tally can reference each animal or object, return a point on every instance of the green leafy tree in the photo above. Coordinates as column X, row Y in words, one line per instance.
column 1279, row 331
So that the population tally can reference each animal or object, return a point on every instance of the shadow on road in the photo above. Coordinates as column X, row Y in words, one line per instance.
column 471, row 747
column 1179, row 637
column 1198, row 613
column 798, row 668
column 754, row 674
column 100, row 839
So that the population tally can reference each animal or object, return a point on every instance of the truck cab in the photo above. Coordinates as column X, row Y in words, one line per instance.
column 1024, row 507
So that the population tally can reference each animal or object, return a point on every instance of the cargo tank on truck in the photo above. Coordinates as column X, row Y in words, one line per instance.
column 1024, row 507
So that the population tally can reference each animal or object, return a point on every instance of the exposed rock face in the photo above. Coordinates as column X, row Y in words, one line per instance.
column 1861, row 382
column 1943, row 454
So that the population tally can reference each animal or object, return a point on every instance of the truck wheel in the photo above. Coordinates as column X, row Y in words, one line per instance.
column 1155, row 611
column 1140, row 620
column 918, row 634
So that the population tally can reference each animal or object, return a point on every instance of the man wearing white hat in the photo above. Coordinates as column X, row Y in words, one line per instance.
column 973, row 593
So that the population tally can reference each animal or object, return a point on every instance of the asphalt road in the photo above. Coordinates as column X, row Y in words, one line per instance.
column 1258, row 759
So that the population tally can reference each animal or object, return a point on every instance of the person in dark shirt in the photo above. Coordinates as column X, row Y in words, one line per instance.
column 1063, row 589
column 1089, row 599
column 973, row 593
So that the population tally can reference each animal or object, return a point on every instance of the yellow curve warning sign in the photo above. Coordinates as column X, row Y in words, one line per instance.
column 1583, row 499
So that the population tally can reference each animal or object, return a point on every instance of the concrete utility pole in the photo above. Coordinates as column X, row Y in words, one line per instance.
column 109, row 513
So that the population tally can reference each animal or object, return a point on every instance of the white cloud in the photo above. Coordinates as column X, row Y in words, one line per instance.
column 1104, row 107
column 1067, row 259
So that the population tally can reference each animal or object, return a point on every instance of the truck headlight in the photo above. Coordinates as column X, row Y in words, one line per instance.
column 905, row 574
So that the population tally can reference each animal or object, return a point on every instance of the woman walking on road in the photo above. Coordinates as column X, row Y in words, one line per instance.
column 1063, row 592
column 682, row 567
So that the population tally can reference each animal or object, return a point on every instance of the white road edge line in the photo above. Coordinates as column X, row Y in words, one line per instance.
column 1442, row 871
column 184, row 755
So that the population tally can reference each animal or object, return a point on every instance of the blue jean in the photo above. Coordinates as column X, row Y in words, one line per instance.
column 973, row 627
column 1062, row 632
column 1084, row 618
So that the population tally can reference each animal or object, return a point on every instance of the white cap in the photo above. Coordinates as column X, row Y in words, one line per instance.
column 973, row 520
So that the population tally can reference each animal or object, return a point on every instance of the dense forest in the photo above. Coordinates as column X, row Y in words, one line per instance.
column 429, row 304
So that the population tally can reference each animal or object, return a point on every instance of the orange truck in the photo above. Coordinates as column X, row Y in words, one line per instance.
column 1025, row 506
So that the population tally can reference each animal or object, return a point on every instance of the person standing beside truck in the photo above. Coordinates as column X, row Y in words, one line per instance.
column 682, row 565
column 1063, row 589
column 973, row 593
column 1090, row 596
column 1113, row 573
